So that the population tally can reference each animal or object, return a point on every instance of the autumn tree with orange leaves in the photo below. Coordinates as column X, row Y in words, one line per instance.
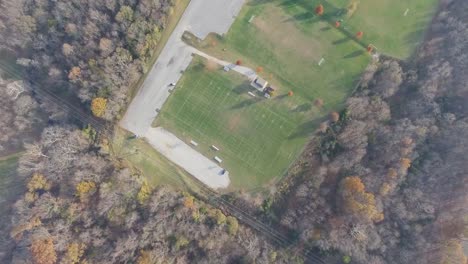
column 74, row 73
column 359, row 35
column 319, row 10
column 334, row 117
column 358, row 202
column 43, row 251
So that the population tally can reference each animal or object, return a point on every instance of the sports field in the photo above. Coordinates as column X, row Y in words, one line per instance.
column 284, row 41
column 257, row 138
column 289, row 56
column 394, row 27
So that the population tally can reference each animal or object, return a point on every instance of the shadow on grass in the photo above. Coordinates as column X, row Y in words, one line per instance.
column 279, row 97
column 302, row 108
column 245, row 103
column 303, row 16
column 306, row 129
column 414, row 38
column 242, row 89
column 341, row 41
column 327, row 28
column 354, row 54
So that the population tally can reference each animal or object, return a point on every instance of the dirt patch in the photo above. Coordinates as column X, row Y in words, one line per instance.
column 278, row 28
column 211, row 65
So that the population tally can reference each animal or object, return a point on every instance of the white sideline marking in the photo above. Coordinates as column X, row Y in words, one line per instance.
column 406, row 12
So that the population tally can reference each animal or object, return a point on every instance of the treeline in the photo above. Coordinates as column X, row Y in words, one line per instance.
column 386, row 180
column 95, row 50
column 84, row 207
column 20, row 115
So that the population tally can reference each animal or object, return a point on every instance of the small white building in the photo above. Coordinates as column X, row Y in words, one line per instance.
column 259, row 84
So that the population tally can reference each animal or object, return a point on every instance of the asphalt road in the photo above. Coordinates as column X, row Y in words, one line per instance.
column 200, row 18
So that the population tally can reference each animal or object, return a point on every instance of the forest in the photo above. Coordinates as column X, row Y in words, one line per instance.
column 383, row 181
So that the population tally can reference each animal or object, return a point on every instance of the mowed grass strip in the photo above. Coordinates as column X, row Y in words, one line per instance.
column 212, row 107
column 145, row 160
column 10, row 185
column 383, row 22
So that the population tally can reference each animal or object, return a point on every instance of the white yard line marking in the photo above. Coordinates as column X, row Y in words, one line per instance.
column 322, row 60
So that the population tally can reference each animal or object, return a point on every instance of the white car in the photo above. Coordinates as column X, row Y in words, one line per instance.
column 172, row 84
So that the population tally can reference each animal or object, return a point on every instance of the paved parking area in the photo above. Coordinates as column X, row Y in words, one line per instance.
column 200, row 18
column 183, row 155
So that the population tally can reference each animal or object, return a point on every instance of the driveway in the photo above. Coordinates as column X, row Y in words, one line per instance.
column 200, row 18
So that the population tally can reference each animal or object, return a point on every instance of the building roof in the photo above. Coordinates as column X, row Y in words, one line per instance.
column 261, row 82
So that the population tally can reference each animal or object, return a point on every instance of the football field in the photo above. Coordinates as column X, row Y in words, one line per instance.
column 296, row 51
column 256, row 136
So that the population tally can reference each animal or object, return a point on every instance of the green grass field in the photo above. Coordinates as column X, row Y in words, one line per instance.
column 289, row 55
column 383, row 21
column 260, row 138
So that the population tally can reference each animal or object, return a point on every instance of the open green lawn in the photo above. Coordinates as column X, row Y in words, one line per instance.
column 258, row 137
column 289, row 53
column 383, row 21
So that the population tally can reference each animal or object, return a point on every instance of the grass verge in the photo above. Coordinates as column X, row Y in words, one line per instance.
column 173, row 20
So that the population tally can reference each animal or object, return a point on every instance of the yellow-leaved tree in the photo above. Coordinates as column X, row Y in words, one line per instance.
column 85, row 188
column 74, row 253
column 232, row 225
column 37, row 183
column 98, row 106
column 144, row 193
column 358, row 202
